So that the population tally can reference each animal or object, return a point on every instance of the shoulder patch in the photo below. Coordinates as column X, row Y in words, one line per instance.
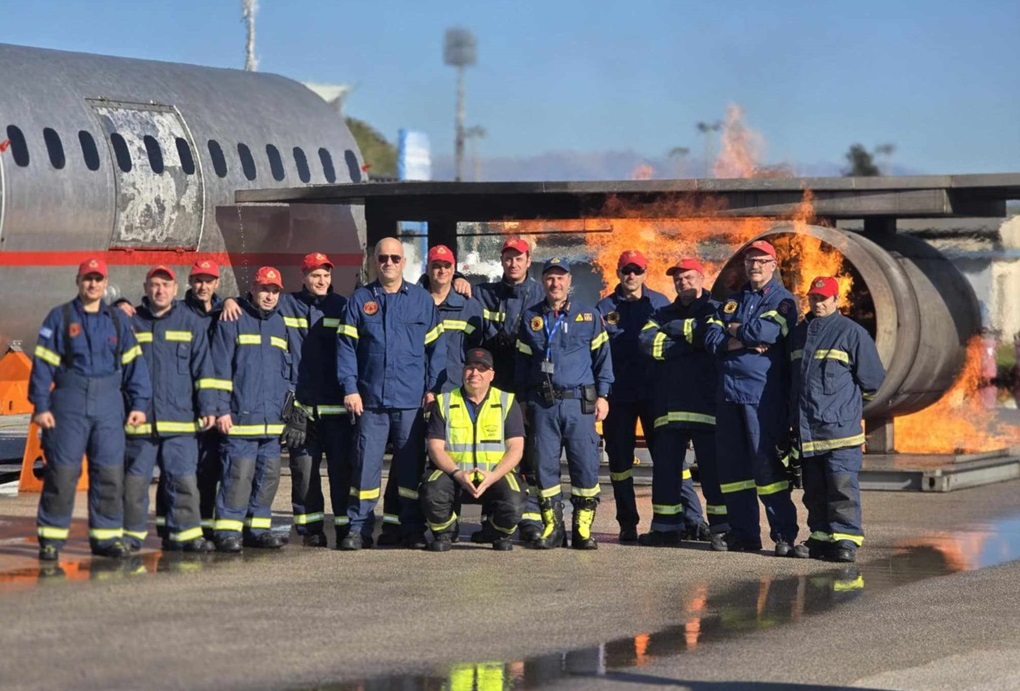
column 588, row 317
column 784, row 307
column 370, row 307
column 74, row 329
column 537, row 323
column 730, row 307
column 46, row 332
column 579, row 318
column 613, row 317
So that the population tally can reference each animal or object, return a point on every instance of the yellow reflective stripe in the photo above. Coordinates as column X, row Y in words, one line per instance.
column 144, row 337
column 731, row 487
column 187, row 535
column 830, row 444
column 255, row 430
column 105, row 533
column 765, row 490
column 524, row 347
column 667, row 509
column 138, row 535
column 856, row 539
column 298, row 322
column 221, row 384
column 407, row 493
column 205, row 523
column 47, row 355
column 435, row 475
column 363, row 494
column 650, row 324
column 168, row 426
column 657, row 344
column 586, row 491
column 347, row 330
column 278, row 342
column 686, row 475
column 341, row 520
column 689, row 330
column 713, row 320
column 668, row 418
column 493, row 316
column 434, row 333
column 846, row 586
column 306, row 518
column 179, row 336
column 454, row 325
column 275, row 429
column 819, row 536
column 51, row 533
column 140, row 430
column 867, row 396
column 715, row 509
column 511, row 480
column 531, row 516
column 249, row 339
column 438, row 527
column 161, row 521
column 553, row 491
column 331, row 410
column 833, row 354
column 259, row 523
column 331, row 322
column 620, row 477
column 391, row 519
column 777, row 318
column 796, row 355
column 130, row 355
column 599, row 340
column 225, row 524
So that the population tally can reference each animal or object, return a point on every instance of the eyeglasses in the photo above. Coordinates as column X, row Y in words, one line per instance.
column 758, row 261
column 637, row 271
column 389, row 259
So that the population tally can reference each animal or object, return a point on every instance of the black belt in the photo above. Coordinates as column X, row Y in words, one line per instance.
column 561, row 394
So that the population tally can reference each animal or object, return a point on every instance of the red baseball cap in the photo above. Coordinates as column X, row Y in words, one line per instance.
column 519, row 244
column 686, row 264
column 93, row 265
column 207, row 267
column 762, row 246
column 440, row 253
column 313, row 261
column 826, row 286
column 268, row 276
column 632, row 257
column 162, row 268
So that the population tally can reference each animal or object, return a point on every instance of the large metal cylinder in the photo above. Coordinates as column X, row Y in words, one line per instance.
column 919, row 308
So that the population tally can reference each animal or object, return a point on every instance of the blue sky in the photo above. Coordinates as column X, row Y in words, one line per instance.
column 940, row 80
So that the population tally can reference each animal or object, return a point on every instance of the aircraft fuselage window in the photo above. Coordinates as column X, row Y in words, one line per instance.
column 219, row 161
column 184, row 154
column 247, row 162
column 275, row 162
column 88, row 150
column 302, row 165
column 54, row 147
column 155, row 154
column 120, row 151
column 327, row 165
column 19, row 147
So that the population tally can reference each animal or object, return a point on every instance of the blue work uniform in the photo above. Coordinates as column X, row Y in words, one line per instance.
column 313, row 320
column 389, row 353
column 835, row 367
column 93, row 363
column 574, row 344
column 254, row 372
column 683, row 382
column 751, row 417
column 461, row 318
column 175, row 347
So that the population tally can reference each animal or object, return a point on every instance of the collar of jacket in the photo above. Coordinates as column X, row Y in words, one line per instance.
column 194, row 302
column 546, row 309
column 147, row 313
column 618, row 294
column 79, row 307
column 309, row 298
column 375, row 287
column 453, row 299
column 765, row 289
column 516, row 289
column 254, row 310
column 698, row 301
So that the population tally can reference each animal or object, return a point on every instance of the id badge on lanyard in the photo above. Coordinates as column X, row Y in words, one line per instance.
column 547, row 365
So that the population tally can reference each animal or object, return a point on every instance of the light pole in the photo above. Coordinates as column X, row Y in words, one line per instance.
column 460, row 50
column 248, row 10
column 474, row 133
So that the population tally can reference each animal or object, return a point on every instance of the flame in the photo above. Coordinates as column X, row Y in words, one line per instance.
column 642, row 171
column 742, row 147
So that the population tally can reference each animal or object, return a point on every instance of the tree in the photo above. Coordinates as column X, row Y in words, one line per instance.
column 379, row 155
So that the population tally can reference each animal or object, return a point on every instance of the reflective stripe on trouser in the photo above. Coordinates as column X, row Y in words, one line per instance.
column 405, row 429
column 89, row 413
column 441, row 495
column 746, row 437
column 329, row 435
column 558, row 426
column 177, row 457
column 832, row 494
column 619, row 431
column 675, row 503
column 251, row 476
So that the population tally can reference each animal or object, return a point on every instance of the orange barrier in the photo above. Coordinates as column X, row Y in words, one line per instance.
column 15, row 368
column 28, row 482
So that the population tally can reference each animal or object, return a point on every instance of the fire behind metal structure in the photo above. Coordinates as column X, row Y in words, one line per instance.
column 920, row 368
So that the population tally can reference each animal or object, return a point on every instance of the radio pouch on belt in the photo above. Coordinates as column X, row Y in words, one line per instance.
column 588, row 398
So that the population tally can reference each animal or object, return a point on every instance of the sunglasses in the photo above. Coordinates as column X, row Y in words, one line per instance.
column 389, row 258
column 637, row 271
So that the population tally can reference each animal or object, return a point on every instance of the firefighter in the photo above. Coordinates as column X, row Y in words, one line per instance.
column 475, row 441
column 624, row 312
column 88, row 355
column 835, row 368
column 388, row 365
column 564, row 373
column 683, row 380
column 255, row 376
column 175, row 345
column 748, row 336
column 461, row 316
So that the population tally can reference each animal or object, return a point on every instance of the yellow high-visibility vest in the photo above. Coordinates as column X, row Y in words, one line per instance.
column 479, row 444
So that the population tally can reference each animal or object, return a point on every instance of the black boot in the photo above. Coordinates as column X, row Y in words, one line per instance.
column 660, row 538
column 264, row 541
column 553, row 534
column 584, row 515
column 230, row 544
column 443, row 542
column 314, row 540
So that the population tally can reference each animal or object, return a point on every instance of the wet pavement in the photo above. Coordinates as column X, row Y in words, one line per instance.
column 927, row 591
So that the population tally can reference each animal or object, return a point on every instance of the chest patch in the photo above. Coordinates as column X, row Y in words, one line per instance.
column 730, row 307
column 613, row 317
column 74, row 330
column 537, row 323
column 370, row 307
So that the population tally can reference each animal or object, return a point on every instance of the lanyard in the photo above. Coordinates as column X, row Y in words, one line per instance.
column 550, row 334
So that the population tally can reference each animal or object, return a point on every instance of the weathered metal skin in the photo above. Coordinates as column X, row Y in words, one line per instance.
column 53, row 212
column 914, row 302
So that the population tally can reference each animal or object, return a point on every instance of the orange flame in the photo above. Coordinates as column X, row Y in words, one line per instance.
column 741, row 147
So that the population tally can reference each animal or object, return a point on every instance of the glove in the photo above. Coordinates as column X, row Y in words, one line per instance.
column 295, row 431
column 788, row 452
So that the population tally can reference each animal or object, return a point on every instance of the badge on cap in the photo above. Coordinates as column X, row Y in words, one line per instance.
column 204, row 265
column 537, row 323
column 730, row 307
column 370, row 307
column 613, row 317
column 93, row 264
column 321, row 257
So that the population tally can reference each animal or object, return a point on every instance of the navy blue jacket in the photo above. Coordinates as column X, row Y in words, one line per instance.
column 684, row 375
column 766, row 317
column 91, row 345
column 624, row 320
column 388, row 346
column 578, row 350
column 184, row 387
column 312, row 322
column 197, row 307
column 254, row 370
column 835, row 365
column 503, row 304
column 462, row 329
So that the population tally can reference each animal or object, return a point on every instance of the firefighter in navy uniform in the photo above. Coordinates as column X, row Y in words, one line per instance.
column 460, row 316
column 175, row 345
column 388, row 365
column 475, row 441
column 88, row 355
column 255, row 376
column 684, row 389
column 564, row 372
column 835, row 368
column 748, row 336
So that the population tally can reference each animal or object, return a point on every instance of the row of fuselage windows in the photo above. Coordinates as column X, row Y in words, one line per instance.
column 154, row 152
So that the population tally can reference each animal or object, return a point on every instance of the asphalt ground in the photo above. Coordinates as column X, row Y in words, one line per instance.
column 932, row 603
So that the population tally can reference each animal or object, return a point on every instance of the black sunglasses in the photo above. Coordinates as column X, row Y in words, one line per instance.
column 636, row 270
column 391, row 258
